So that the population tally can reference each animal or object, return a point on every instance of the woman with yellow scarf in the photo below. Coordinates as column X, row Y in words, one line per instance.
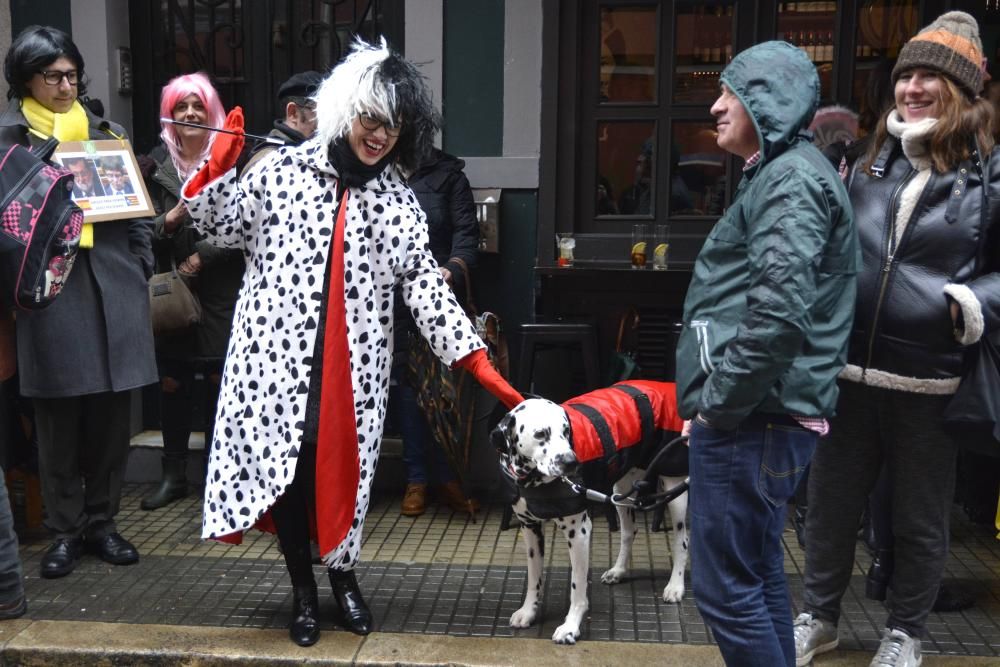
column 79, row 358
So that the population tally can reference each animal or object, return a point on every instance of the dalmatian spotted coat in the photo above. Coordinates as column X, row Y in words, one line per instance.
column 282, row 216
column 539, row 442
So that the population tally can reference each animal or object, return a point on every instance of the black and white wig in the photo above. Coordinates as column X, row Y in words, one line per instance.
column 378, row 81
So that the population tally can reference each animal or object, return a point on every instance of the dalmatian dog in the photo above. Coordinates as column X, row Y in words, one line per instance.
column 540, row 442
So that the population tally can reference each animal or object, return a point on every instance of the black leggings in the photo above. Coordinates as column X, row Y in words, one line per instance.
column 177, row 406
column 291, row 517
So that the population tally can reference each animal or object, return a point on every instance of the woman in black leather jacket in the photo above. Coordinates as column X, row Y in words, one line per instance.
column 928, row 289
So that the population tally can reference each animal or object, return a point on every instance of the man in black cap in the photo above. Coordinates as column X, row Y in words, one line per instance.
column 299, row 123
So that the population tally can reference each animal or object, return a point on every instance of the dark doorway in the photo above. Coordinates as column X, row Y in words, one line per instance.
column 248, row 47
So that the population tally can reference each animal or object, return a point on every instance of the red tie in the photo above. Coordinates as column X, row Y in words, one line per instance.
column 337, row 468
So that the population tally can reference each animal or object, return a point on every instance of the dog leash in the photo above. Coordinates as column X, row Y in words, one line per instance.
column 640, row 497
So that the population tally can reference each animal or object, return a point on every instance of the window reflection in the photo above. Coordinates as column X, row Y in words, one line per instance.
column 810, row 26
column 698, row 166
column 703, row 43
column 626, row 183
column 628, row 54
column 883, row 27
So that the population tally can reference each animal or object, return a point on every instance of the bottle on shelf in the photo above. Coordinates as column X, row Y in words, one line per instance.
column 716, row 47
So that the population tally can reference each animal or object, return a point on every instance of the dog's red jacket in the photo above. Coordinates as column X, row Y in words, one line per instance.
column 619, row 408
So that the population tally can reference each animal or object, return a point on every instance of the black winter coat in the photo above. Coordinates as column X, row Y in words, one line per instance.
column 445, row 196
column 902, row 324
column 96, row 336
column 217, row 284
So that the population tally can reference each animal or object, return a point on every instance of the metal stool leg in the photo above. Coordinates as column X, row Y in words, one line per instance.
column 588, row 346
column 658, row 519
column 525, row 363
column 612, row 515
column 508, row 514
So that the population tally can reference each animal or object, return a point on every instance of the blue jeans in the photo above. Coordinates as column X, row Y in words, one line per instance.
column 420, row 449
column 741, row 481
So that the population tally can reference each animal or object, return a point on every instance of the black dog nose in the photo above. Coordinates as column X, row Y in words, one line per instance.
column 568, row 463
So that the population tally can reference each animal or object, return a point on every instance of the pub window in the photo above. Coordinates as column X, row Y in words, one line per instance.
column 651, row 138
column 626, row 181
column 811, row 27
column 628, row 54
column 883, row 26
column 636, row 140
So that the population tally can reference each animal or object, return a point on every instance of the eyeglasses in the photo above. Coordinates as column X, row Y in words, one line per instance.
column 54, row 77
column 371, row 123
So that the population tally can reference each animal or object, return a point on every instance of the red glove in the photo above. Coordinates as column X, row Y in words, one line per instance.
column 225, row 151
column 479, row 365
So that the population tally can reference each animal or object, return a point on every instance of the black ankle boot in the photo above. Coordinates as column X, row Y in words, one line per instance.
column 304, row 629
column 357, row 616
column 879, row 575
column 172, row 487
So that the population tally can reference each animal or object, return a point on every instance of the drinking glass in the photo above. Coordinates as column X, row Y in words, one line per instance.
column 661, row 247
column 638, row 251
column 565, row 243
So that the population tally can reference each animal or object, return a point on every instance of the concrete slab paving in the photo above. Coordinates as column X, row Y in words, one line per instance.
column 441, row 586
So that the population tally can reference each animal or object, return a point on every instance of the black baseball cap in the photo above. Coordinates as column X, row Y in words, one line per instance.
column 303, row 84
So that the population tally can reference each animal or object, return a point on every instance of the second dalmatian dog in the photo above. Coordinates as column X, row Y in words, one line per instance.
column 605, row 436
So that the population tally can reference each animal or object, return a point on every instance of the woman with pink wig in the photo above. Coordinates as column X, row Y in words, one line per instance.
column 213, row 273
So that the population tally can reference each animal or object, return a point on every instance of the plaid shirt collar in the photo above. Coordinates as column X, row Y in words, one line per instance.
column 751, row 161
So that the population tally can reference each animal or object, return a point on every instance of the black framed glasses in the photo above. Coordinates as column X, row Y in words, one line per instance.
column 371, row 123
column 54, row 77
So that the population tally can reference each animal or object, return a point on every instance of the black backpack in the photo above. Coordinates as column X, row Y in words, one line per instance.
column 39, row 226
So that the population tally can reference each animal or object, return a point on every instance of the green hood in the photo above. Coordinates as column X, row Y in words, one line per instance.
column 779, row 87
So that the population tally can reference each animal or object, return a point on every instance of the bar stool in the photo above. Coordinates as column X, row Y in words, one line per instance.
column 536, row 336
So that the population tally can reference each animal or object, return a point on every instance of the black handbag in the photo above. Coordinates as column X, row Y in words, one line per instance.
column 973, row 414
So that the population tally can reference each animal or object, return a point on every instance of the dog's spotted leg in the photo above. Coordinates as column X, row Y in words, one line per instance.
column 626, row 533
column 679, row 541
column 534, row 544
column 577, row 529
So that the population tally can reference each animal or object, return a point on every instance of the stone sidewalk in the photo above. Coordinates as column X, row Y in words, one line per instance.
column 442, row 588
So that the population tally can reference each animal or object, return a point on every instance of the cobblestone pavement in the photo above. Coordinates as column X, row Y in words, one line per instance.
column 444, row 574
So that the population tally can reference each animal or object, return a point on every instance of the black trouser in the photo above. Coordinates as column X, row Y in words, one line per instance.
column 177, row 404
column 291, row 514
column 82, row 452
column 905, row 432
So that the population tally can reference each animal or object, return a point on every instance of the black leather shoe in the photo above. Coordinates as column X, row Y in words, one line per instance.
column 304, row 629
column 61, row 557
column 114, row 549
column 357, row 616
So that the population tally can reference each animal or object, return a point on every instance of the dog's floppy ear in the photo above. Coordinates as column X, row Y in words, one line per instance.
column 501, row 434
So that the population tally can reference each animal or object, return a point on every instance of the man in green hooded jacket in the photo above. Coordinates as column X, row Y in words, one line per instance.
column 766, row 319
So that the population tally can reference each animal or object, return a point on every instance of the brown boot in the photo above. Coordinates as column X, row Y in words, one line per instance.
column 414, row 500
column 450, row 493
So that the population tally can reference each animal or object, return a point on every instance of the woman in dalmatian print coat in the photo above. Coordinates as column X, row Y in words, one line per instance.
column 329, row 229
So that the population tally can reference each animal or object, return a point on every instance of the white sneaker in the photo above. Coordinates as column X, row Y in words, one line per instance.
column 897, row 649
column 812, row 637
